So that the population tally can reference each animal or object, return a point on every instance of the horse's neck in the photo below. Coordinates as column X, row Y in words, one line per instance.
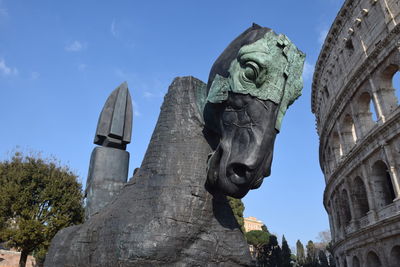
column 177, row 153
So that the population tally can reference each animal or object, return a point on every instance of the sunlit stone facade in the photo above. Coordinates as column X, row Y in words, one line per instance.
column 252, row 223
column 358, row 122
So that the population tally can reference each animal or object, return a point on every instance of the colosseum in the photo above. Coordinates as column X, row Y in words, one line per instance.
column 358, row 122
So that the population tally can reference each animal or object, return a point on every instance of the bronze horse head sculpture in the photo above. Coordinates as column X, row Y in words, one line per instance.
column 250, row 86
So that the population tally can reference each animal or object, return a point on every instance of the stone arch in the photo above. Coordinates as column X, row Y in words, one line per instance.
column 373, row 260
column 355, row 262
column 396, row 85
column 387, row 91
column 395, row 256
column 365, row 113
column 382, row 184
column 330, row 159
column 345, row 207
column 348, row 132
column 360, row 198
column 338, row 218
column 336, row 146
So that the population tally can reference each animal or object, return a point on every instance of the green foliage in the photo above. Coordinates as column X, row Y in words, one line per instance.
column 264, row 228
column 311, row 258
column 322, row 259
column 270, row 254
column 37, row 199
column 286, row 253
column 257, row 238
column 238, row 209
column 301, row 257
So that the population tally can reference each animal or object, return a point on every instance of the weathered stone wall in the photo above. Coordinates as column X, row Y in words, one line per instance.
column 358, row 121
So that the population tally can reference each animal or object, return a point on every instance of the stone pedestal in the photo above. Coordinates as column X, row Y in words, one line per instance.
column 108, row 173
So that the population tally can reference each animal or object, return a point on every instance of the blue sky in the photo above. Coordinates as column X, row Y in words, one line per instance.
column 59, row 61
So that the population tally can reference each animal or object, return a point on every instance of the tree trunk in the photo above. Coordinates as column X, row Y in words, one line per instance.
column 23, row 258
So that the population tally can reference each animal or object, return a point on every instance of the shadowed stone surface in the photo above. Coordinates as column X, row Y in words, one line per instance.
column 164, row 216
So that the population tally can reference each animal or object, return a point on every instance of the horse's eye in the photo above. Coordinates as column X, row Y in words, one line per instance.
column 251, row 71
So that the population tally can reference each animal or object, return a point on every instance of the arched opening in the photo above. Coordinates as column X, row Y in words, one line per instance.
column 345, row 207
column 331, row 217
column 348, row 132
column 382, row 184
column 360, row 198
column 387, row 89
column 330, row 160
column 337, row 146
column 373, row 260
column 395, row 256
column 356, row 262
column 373, row 111
column 365, row 111
column 338, row 219
column 396, row 85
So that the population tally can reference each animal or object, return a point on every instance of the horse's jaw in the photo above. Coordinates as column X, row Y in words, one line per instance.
column 243, row 156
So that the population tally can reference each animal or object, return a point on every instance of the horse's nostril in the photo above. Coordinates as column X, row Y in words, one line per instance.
column 239, row 169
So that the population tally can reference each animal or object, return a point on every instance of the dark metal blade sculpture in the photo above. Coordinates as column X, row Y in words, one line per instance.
column 109, row 162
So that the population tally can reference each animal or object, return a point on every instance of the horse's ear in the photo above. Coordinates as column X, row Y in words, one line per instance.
column 294, row 82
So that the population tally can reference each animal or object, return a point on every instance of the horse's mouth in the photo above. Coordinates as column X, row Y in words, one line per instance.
column 233, row 179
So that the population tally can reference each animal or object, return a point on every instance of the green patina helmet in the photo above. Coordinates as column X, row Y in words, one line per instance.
column 270, row 68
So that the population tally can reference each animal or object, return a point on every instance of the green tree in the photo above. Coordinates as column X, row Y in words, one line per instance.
column 264, row 228
column 257, row 238
column 238, row 209
column 322, row 259
column 301, row 258
column 311, row 259
column 38, row 197
column 286, row 253
column 270, row 255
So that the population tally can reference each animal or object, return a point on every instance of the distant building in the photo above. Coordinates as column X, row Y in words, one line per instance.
column 251, row 224
column 10, row 258
column 358, row 123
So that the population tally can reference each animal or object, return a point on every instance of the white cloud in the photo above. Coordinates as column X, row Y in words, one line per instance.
column 126, row 76
column 6, row 70
column 308, row 71
column 3, row 13
column 75, row 46
column 322, row 35
column 35, row 75
column 148, row 94
column 135, row 108
column 113, row 29
column 82, row 67
column 3, row 10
